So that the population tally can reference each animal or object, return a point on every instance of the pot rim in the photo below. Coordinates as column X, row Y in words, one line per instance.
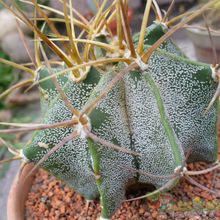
column 201, row 32
column 196, row 30
column 19, row 191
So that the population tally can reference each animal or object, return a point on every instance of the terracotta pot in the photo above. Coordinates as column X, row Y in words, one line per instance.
column 18, row 194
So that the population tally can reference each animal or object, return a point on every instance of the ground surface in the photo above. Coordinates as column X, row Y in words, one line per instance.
column 49, row 199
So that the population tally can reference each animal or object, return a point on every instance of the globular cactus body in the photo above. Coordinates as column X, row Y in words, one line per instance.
column 157, row 113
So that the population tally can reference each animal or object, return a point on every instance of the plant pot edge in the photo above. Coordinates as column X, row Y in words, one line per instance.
column 18, row 193
column 201, row 38
column 203, row 46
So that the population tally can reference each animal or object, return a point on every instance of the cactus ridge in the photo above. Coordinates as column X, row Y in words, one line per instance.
column 158, row 113
column 79, row 167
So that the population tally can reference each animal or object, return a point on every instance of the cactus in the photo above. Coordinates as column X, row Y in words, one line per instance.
column 114, row 123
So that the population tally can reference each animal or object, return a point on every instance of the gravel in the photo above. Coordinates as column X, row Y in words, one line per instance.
column 50, row 199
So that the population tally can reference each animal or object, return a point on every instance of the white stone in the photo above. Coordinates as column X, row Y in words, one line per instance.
column 13, row 46
column 9, row 19
column 8, row 23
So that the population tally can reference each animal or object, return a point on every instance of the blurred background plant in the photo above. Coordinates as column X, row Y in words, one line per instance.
column 7, row 77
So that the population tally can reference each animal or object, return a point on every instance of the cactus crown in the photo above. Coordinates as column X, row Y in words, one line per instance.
column 125, row 110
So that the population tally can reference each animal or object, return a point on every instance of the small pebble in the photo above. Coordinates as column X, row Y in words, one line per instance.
column 141, row 211
column 154, row 214
column 60, row 202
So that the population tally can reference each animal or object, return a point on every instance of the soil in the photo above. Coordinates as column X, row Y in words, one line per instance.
column 50, row 199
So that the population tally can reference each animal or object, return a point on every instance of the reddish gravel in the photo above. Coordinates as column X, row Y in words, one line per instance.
column 49, row 199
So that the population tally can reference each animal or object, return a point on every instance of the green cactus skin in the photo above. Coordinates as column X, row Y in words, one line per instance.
column 158, row 113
